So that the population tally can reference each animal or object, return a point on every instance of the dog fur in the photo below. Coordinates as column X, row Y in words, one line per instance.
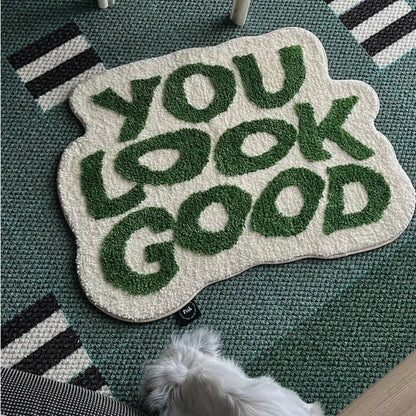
column 192, row 379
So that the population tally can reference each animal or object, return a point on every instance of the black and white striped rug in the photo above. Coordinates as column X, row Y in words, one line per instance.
column 40, row 341
column 386, row 29
column 51, row 67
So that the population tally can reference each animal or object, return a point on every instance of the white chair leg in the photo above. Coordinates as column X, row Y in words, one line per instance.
column 239, row 11
column 102, row 4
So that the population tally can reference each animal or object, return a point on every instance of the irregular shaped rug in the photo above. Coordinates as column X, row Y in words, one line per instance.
column 198, row 165
column 325, row 328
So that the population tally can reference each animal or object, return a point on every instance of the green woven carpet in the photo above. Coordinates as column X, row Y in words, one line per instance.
column 326, row 328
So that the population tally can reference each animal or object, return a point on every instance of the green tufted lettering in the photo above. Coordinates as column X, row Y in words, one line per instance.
column 294, row 68
column 113, row 252
column 136, row 112
column 174, row 96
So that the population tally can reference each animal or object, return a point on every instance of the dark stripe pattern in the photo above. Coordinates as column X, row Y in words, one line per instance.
column 44, row 45
column 90, row 379
column 60, row 67
column 28, row 319
column 390, row 34
column 52, row 350
column 50, row 353
column 63, row 72
column 364, row 11
column 381, row 31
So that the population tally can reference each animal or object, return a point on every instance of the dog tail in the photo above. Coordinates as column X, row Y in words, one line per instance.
column 191, row 379
column 167, row 377
column 203, row 340
column 203, row 391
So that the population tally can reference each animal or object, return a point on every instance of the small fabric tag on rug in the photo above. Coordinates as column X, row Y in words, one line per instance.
column 198, row 165
column 188, row 313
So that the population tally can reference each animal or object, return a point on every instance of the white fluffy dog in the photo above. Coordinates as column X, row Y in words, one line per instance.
column 192, row 379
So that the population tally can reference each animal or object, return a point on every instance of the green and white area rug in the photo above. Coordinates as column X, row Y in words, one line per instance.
column 325, row 328
column 198, row 165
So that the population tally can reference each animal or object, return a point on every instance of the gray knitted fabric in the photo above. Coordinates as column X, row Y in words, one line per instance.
column 24, row 394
